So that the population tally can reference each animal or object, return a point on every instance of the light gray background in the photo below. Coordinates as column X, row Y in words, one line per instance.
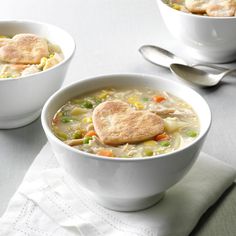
column 108, row 34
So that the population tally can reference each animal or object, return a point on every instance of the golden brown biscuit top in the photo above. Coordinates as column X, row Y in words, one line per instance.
column 116, row 123
column 23, row 49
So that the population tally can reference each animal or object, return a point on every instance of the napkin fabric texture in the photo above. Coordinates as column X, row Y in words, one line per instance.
column 50, row 203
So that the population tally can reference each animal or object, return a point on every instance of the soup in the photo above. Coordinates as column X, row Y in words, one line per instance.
column 214, row 8
column 126, row 123
column 25, row 54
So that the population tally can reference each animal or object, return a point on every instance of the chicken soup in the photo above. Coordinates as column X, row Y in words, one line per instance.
column 213, row 8
column 25, row 54
column 126, row 123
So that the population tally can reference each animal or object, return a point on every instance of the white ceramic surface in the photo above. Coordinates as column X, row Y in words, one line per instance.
column 126, row 184
column 22, row 99
column 210, row 39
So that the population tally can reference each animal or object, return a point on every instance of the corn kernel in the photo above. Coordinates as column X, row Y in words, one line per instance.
column 138, row 105
column 176, row 6
column 43, row 61
column 5, row 75
column 132, row 99
column 104, row 94
column 150, row 143
column 87, row 120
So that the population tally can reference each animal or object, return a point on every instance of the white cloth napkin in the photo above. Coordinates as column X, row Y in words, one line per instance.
column 50, row 203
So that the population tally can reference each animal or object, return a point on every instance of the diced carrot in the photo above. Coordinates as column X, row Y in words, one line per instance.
column 162, row 137
column 105, row 152
column 158, row 99
column 90, row 133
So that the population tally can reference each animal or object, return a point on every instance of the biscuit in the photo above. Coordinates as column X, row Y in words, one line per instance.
column 197, row 6
column 115, row 122
column 23, row 49
column 221, row 8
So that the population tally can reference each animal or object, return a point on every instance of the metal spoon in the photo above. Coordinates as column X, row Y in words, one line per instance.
column 198, row 76
column 164, row 58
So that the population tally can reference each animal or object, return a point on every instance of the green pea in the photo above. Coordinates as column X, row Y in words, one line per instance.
column 145, row 99
column 148, row 152
column 87, row 139
column 191, row 133
column 165, row 143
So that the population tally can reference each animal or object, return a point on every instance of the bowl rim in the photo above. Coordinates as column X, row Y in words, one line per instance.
column 25, row 21
column 49, row 133
column 195, row 15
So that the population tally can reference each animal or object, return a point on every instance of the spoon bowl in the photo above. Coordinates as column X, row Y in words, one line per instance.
column 197, row 76
column 162, row 57
column 159, row 56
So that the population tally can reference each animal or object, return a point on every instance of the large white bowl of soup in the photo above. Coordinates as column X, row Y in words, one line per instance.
column 207, row 28
column 126, row 138
column 34, row 58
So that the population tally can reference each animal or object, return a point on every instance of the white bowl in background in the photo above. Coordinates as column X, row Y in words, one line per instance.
column 128, row 184
column 209, row 39
column 23, row 98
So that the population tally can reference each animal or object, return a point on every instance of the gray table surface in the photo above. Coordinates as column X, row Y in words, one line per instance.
column 108, row 34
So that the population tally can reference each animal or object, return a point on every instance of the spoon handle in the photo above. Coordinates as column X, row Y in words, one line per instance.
column 223, row 74
column 210, row 66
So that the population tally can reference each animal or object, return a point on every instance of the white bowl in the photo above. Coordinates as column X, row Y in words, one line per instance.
column 209, row 39
column 22, row 99
column 118, row 183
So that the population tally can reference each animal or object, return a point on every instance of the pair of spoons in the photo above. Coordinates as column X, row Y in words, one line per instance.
column 179, row 67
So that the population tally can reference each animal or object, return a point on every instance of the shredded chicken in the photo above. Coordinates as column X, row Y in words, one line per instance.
column 30, row 70
column 98, row 141
column 163, row 111
column 74, row 142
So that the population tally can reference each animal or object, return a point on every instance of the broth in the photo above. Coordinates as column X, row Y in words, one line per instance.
column 73, row 123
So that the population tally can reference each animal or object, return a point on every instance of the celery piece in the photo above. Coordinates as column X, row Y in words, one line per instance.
column 65, row 119
column 87, row 139
column 86, row 104
column 62, row 136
